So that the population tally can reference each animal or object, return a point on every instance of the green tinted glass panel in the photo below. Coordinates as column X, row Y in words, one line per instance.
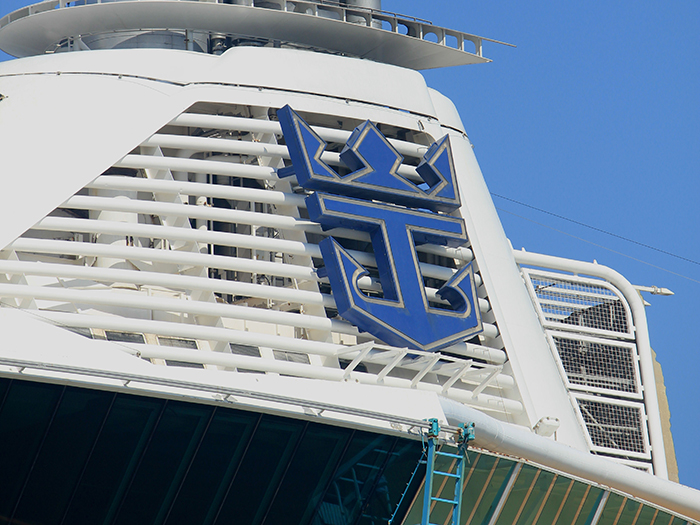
column 573, row 502
column 589, row 507
column 536, row 498
column 679, row 521
column 555, row 500
column 646, row 516
column 517, row 495
column 472, row 490
column 612, row 508
column 163, row 464
column 261, row 470
column 62, row 457
column 663, row 518
column 24, row 420
column 114, row 458
column 629, row 512
column 308, row 475
column 493, row 492
column 213, row 467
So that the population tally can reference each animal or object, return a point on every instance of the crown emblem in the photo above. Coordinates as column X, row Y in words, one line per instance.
column 374, row 167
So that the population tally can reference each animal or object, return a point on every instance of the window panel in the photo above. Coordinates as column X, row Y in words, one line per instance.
column 114, row 458
column 162, row 466
column 493, row 491
column 308, row 474
column 24, row 420
column 213, row 467
column 578, row 493
column 354, row 479
column 261, row 469
column 536, row 498
column 613, row 507
column 589, row 507
column 63, row 454
column 555, row 500
column 521, row 490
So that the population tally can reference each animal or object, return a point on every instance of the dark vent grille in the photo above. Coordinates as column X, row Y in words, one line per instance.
column 581, row 304
column 124, row 337
column 614, row 426
column 608, row 316
column 598, row 365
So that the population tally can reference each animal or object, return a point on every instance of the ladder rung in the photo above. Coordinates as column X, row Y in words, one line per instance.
column 448, row 474
column 449, row 455
column 450, row 501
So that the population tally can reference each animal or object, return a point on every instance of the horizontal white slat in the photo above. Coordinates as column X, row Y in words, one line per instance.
column 214, row 167
column 221, row 238
column 268, row 126
column 236, row 193
column 175, row 281
column 174, row 257
column 164, row 304
column 244, row 147
column 280, row 222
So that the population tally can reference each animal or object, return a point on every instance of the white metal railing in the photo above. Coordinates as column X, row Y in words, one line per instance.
column 381, row 20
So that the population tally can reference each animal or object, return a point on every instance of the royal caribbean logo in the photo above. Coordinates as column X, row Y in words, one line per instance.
column 398, row 215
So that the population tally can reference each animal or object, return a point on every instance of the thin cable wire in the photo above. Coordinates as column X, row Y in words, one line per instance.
column 601, row 246
column 597, row 229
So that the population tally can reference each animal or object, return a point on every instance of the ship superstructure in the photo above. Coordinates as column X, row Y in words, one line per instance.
column 167, row 270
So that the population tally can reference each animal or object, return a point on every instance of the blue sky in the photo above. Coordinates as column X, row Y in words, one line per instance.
column 595, row 116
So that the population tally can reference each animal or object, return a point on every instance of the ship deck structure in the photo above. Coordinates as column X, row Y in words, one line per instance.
column 257, row 277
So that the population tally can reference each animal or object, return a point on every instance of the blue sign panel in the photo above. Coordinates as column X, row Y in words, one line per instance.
column 374, row 163
column 404, row 316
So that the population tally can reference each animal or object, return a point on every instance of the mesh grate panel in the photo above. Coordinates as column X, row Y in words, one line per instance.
column 614, row 426
column 580, row 304
column 598, row 365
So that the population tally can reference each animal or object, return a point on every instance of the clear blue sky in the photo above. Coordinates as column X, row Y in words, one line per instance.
column 595, row 116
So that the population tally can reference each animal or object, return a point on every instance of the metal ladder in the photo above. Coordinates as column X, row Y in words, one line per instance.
column 464, row 436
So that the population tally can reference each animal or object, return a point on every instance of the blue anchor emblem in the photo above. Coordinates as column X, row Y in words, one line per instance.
column 404, row 316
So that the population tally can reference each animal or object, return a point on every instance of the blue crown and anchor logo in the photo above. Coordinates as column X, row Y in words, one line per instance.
column 404, row 315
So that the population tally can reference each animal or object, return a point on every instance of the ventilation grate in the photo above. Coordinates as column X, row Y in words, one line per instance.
column 612, row 426
column 598, row 365
column 578, row 303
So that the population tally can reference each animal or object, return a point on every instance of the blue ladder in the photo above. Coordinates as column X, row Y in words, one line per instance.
column 456, row 472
